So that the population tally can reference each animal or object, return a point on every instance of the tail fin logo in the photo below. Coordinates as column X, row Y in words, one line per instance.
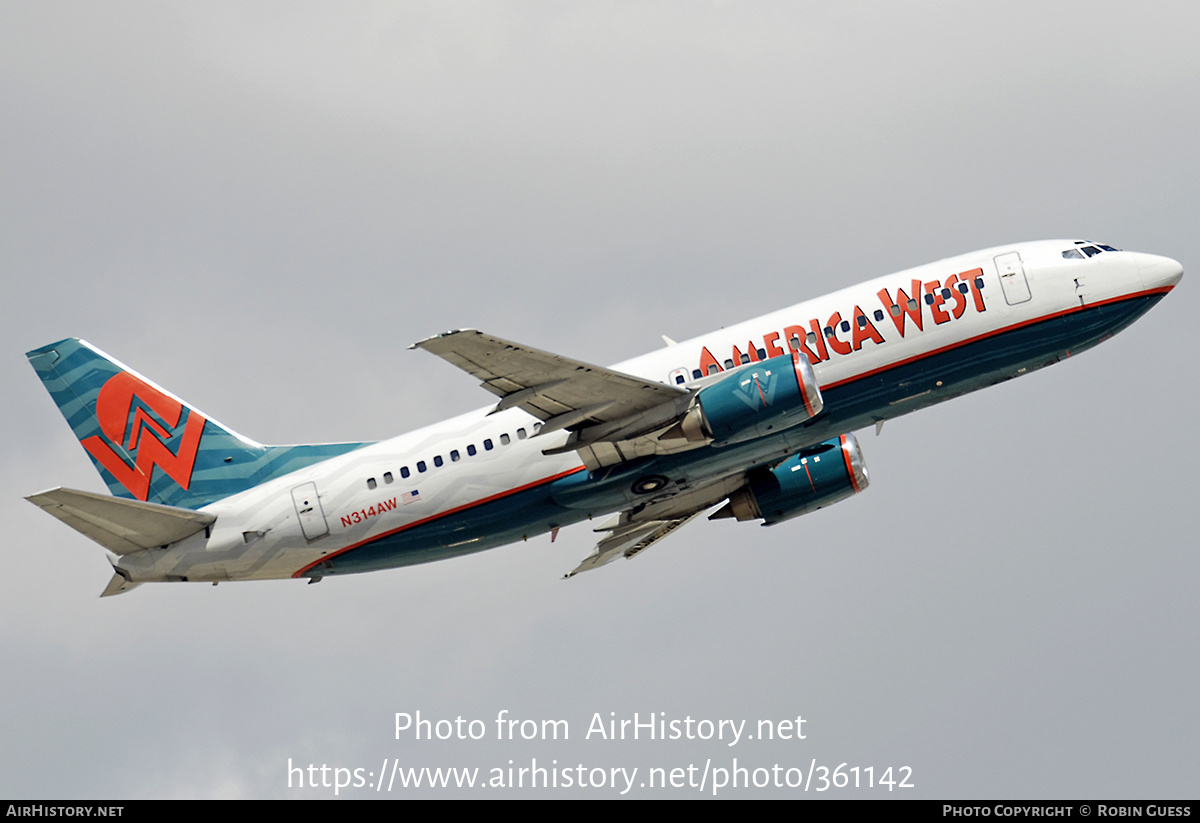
column 139, row 425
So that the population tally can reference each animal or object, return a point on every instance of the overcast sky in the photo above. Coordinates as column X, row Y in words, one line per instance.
column 260, row 206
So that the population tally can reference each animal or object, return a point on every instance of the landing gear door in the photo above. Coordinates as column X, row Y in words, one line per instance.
column 1012, row 278
column 308, row 511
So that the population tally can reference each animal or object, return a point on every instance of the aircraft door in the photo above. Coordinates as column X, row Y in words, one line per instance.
column 1012, row 278
column 309, row 512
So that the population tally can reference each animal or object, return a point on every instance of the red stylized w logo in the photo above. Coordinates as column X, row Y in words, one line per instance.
column 141, row 439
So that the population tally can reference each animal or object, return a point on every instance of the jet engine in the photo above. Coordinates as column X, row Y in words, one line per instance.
column 754, row 401
column 811, row 479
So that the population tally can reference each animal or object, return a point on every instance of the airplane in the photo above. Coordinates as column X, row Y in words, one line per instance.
column 757, row 418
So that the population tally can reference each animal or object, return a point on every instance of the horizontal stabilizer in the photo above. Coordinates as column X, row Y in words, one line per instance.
column 119, row 525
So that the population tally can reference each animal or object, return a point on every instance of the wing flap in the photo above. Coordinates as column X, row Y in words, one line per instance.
column 119, row 525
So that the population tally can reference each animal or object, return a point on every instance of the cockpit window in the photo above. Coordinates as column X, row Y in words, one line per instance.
column 1083, row 247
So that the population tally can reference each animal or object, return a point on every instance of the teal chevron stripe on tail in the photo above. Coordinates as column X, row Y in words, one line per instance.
column 148, row 444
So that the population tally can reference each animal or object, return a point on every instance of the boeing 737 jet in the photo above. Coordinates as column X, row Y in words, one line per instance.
column 753, row 422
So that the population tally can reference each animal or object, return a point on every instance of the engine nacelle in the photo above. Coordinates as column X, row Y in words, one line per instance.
column 816, row 477
column 772, row 395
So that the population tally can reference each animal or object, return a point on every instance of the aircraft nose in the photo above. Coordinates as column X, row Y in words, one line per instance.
column 1158, row 272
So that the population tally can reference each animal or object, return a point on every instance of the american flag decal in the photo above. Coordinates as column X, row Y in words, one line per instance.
column 410, row 497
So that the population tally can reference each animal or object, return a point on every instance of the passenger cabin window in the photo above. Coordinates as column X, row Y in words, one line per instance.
column 504, row 439
column 895, row 310
column 487, row 444
column 729, row 363
column 471, row 450
column 387, row 477
column 404, row 472
column 420, row 465
column 697, row 374
column 521, row 435
column 371, row 483
column 437, row 460
column 454, row 456
column 878, row 315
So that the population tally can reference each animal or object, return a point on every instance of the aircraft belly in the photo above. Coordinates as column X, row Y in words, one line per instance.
column 191, row 561
column 907, row 387
column 484, row 526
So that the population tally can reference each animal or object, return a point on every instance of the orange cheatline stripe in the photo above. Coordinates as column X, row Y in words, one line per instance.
column 995, row 332
column 437, row 516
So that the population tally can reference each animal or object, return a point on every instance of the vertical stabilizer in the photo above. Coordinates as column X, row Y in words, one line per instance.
column 148, row 444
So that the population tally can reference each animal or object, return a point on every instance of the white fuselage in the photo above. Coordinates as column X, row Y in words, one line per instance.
column 885, row 353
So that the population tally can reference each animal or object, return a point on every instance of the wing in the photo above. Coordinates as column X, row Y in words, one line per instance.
column 554, row 389
column 632, row 532
column 629, row 540
column 612, row 416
